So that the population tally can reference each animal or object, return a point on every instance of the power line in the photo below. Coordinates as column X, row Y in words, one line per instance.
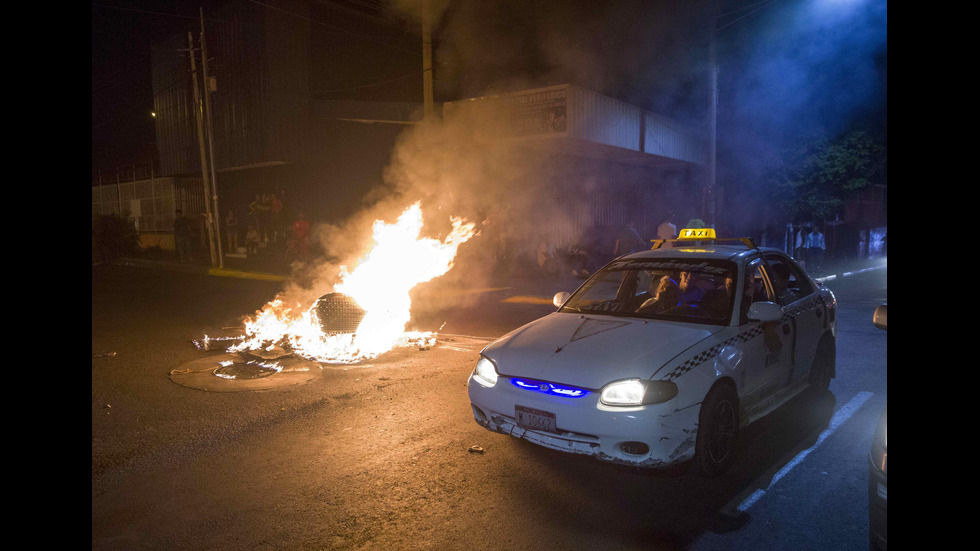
column 757, row 6
column 412, row 74
column 149, row 12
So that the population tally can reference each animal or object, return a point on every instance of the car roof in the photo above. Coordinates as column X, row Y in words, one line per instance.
column 708, row 251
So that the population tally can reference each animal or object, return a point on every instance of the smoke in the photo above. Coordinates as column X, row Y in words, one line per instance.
column 638, row 51
column 797, row 70
column 650, row 53
column 458, row 165
column 786, row 69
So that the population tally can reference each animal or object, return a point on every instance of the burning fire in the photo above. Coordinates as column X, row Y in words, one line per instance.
column 380, row 284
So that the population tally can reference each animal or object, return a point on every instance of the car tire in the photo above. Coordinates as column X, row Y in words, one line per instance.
column 822, row 370
column 718, row 428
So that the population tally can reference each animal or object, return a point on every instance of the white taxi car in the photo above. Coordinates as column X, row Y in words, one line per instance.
column 662, row 356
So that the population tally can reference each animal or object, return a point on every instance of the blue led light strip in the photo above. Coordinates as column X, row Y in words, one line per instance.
column 549, row 388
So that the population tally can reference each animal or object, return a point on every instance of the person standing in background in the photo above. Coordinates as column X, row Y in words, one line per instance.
column 231, row 229
column 667, row 229
column 815, row 246
column 629, row 240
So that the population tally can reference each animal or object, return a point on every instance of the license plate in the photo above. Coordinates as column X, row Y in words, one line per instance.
column 535, row 419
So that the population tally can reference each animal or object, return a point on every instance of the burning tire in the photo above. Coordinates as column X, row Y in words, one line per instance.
column 338, row 313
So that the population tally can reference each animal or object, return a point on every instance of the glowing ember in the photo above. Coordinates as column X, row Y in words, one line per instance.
column 380, row 284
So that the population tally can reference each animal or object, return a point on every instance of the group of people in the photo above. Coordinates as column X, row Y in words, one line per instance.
column 809, row 248
column 664, row 293
column 265, row 214
column 630, row 241
column 810, row 243
column 268, row 223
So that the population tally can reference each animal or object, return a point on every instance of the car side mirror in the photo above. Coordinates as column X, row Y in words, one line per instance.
column 881, row 317
column 560, row 298
column 765, row 311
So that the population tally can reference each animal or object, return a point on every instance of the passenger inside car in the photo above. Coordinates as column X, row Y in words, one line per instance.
column 715, row 303
column 664, row 294
column 689, row 285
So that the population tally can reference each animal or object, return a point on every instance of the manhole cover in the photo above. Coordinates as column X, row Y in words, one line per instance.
column 246, row 370
column 234, row 373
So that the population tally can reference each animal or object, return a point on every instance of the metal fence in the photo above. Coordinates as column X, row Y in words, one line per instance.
column 149, row 202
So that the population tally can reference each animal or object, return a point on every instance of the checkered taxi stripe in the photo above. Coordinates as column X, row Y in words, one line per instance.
column 754, row 331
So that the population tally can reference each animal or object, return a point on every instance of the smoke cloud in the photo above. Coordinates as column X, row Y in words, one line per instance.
column 459, row 164
column 783, row 71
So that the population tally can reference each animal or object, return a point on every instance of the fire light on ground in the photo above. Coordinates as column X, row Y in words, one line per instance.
column 380, row 284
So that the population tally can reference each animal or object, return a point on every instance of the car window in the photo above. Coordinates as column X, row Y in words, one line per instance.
column 754, row 288
column 697, row 291
column 789, row 283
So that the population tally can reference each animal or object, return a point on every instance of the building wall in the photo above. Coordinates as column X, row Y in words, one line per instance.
column 258, row 57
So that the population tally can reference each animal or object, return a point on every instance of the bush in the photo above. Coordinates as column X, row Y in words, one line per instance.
column 113, row 236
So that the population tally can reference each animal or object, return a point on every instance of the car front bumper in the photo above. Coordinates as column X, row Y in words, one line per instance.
column 656, row 435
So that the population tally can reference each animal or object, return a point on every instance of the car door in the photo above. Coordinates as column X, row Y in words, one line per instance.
column 765, row 344
column 803, row 312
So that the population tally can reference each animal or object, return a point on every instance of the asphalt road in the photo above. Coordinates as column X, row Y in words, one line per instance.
column 380, row 454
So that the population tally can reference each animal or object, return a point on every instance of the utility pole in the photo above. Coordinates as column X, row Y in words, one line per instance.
column 709, row 198
column 207, row 111
column 200, row 140
column 426, row 61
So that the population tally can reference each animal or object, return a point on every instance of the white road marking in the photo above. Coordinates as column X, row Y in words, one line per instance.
column 842, row 414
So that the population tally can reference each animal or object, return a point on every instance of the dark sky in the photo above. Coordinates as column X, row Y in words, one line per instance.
column 122, row 92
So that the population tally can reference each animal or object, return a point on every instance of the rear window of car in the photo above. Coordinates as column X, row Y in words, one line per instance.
column 699, row 291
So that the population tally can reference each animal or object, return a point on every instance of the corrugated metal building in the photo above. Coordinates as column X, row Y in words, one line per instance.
column 274, row 66
column 259, row 67
column 289, row 113
column 631, row 165
column 573, row 120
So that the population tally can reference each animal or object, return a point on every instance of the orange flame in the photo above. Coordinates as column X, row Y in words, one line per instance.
column 380, row 284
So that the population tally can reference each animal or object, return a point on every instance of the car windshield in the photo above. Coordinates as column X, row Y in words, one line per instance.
column 698, row 291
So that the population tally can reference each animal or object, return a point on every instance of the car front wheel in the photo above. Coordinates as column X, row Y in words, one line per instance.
column 717, row 431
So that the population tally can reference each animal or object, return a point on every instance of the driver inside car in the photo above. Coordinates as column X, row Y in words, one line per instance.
column 664, row 294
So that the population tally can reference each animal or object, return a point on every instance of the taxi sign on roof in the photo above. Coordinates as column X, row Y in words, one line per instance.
column 702, row 234
column 697, row 233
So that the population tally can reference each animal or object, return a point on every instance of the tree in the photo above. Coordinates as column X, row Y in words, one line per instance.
column 818, row 174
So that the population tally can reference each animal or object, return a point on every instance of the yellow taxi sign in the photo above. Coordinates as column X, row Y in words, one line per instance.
column 697, row 233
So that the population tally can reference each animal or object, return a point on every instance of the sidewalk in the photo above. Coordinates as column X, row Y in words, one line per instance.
column 270, row 265
column 833, row 269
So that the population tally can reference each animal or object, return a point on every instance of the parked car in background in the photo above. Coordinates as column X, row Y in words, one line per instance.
column 878, row 466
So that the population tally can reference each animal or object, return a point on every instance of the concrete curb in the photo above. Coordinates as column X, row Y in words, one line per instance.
column 224, row 272
column 197, row 268
column 831, row 277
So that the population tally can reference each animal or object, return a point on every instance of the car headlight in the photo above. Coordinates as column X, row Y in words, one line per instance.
column 635, row 392
column 485, row 372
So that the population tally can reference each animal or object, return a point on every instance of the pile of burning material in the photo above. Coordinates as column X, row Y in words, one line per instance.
column 366, row 313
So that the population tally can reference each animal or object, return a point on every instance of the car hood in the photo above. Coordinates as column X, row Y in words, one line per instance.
column 591, row 351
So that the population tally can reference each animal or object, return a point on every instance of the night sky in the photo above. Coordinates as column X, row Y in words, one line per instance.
column 122, row 90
